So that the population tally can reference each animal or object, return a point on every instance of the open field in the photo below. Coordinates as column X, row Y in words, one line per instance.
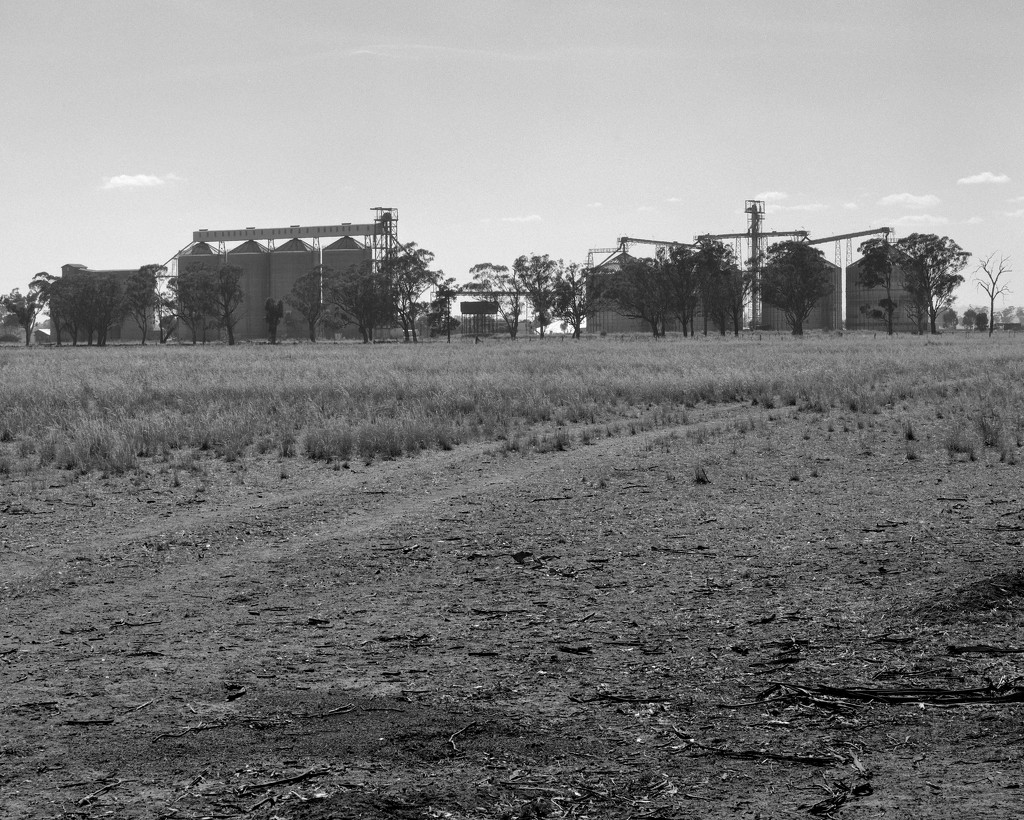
column 112, row 409
column 613, row 579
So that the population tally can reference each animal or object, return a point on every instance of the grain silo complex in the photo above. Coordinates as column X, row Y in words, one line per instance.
column 749, row 248
column 273, row 259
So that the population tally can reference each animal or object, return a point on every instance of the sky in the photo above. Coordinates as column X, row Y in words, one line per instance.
column 506, row 128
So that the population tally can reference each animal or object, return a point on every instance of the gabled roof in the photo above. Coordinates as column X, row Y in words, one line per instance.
column 250, row 246
column 293, row 245
column 346, row 243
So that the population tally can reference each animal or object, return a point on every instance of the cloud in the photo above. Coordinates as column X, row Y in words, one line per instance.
column 1016, row 199
column 921, row 219
column 772, row 196
column 1015, row 214
column 595, row 205
column 810, row 206
column 910, row 200
column 975, row 220
column 646, row 209
column 529, row 218
column 851, row 206
column 983, row 177
column 673, row 199
column 138, row 181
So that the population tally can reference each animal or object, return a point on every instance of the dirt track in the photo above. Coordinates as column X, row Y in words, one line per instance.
column 586, row 633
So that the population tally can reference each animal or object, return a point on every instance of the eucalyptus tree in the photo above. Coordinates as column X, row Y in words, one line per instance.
column 685, row 285
column 227, row 297
column 641, row 289
column 537, row 274
column 724, row 288
column 795, row 277
column 411, row 278
column 25, row 307
column 574, row 296
column 306, row 296
column 878, row 268
column 141, row 300
column 192, row 292
column 362, row 295
column 439, row 311
column 505, row 287
column 931, row 266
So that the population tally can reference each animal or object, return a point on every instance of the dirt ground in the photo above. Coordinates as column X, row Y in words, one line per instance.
column 826, row 627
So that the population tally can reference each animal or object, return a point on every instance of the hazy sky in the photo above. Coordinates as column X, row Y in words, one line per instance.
column 503, row 128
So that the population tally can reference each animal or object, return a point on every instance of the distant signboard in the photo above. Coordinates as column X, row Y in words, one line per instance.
column 478, row 308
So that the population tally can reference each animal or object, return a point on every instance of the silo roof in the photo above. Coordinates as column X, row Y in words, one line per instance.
column 295, row 245
column 251, row 246
column 200, row 249
column 346, row 243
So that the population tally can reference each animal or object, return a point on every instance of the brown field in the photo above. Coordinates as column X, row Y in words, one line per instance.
column 760, row 578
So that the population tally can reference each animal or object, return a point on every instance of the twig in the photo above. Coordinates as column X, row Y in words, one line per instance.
column 761, row 754
column 1007, row 693
column 604, row 696
column 202, row 727
column 451, row 740
column 284, row 781
column 270, row 798
column 85, row 801
column 337, row 710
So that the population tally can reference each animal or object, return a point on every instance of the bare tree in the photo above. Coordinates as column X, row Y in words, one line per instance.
column 987, row 277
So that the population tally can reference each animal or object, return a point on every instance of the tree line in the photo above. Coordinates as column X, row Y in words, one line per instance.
column 401, row 291
column 922, row 270
column 680, row 283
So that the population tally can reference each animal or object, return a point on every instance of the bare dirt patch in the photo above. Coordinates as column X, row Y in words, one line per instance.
column 587, row 633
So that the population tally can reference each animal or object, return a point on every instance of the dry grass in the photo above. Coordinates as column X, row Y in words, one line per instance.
column 104, row 409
